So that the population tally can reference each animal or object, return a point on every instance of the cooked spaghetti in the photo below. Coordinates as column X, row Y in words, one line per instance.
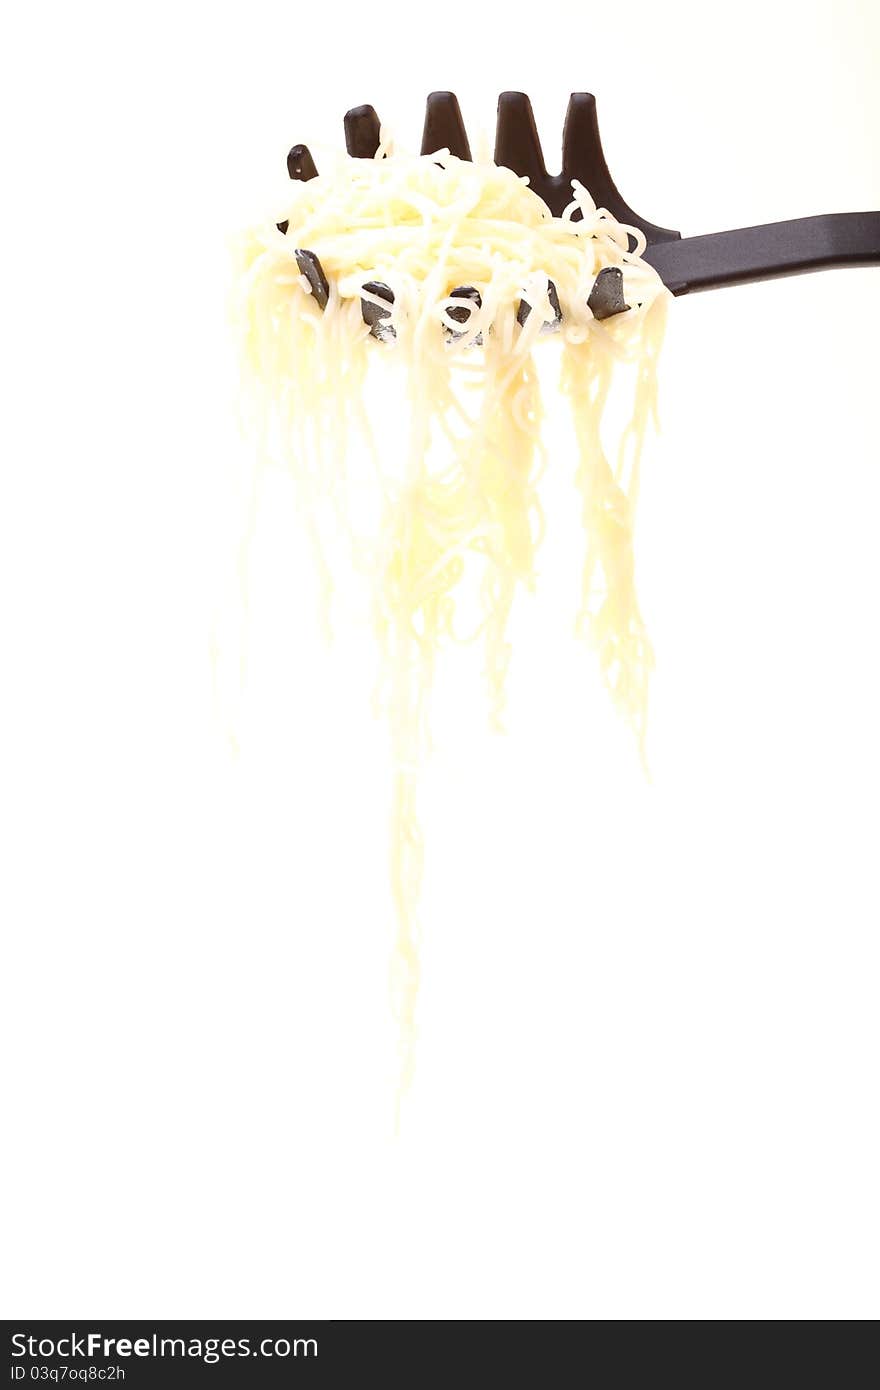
column 454, row 270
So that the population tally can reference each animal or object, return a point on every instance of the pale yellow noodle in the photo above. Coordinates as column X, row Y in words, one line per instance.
column 466, row 493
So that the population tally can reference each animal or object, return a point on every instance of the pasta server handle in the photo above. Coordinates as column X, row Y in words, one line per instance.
column 764, row 253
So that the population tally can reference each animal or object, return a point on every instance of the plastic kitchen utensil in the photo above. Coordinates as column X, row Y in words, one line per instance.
column 685, row 264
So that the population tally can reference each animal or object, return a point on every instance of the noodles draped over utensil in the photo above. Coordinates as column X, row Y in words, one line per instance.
column 452, row 273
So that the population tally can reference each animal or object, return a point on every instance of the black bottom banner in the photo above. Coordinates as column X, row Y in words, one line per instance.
column 128, row 1355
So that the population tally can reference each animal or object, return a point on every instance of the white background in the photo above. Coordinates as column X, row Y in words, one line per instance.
column 647, row 1079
